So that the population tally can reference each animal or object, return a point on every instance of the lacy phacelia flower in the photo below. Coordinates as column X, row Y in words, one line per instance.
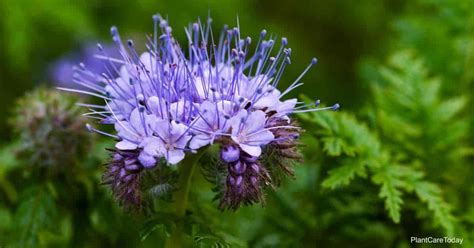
column 168, row 102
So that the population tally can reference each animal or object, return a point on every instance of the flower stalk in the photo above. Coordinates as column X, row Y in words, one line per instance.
column 186, row 171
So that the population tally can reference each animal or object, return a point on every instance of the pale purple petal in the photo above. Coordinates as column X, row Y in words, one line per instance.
column 199, row 141
column 255, row 121
column 148, row 161
column 261, row 137
column 174, row 156
column 126, row 145
column 251, row 150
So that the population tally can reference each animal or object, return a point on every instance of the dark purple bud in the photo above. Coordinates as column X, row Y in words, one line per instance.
column 114, row 169
column 231, row 180
column 255, row 168
column 239, row 167
column 122, row 173
column 132, row 167
column 251, row 159
column 129, row 161
column 238, row 182
column 254, row 181
column 117, row 157
column 128, row 178
column 230, row 154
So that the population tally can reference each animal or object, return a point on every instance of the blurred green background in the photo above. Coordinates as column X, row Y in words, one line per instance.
column 402, row 71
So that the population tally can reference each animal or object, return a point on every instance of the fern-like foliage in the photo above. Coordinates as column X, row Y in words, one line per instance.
column 418, row 132
column 412, row 114
column 365, row 156
column 425, row 129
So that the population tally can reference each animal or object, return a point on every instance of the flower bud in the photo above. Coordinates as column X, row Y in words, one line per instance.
column 230, row 154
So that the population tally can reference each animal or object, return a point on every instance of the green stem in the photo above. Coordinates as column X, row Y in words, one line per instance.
column 186, row 170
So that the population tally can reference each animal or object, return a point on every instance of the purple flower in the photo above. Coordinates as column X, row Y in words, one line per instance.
column 168, row 140
column 213, row 121
column 134, row 130
column 249, row 131
column 170, row 101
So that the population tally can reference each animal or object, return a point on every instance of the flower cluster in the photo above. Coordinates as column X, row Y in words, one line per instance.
column 168, row 102
column 51, row 135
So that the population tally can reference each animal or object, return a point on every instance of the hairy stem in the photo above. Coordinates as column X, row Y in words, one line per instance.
column 186, row 169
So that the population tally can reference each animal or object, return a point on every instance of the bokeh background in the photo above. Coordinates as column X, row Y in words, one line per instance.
column 402, row 71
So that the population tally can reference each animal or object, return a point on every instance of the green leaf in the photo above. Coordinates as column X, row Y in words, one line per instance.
column 393, row 180
column 393, row 199
column 449, row 108
column 35, row 215
column 344, row 174
column 333, row 146
column 430, row 194
column 160, row 190
column 162, row 222
column 8, row 159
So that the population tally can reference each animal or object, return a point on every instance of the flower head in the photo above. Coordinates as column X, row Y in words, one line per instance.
column 168, row 101
column 51, row 134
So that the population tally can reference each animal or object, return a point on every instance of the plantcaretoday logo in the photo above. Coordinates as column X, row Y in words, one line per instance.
column 436, row 240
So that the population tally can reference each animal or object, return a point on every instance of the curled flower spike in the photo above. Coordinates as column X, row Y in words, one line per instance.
column 245, row 181
column 168, row 102
column 123, row 176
